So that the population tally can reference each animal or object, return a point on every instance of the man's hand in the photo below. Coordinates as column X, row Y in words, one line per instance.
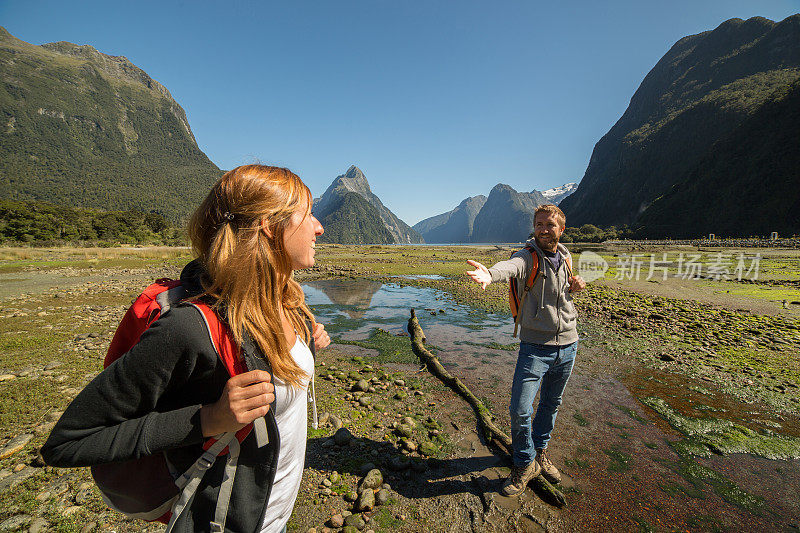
column 576, row 284
column 245, row 397
column 480, row 274
column 321, row 337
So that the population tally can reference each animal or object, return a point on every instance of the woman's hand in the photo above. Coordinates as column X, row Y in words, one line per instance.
column 321, row 337
column 245, row 397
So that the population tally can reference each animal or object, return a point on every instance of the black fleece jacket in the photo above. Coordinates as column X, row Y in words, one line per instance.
column 149, row 401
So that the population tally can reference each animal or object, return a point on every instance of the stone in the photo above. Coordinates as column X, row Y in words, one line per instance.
column 40, row 525
column 428, row 449
column 382, row 497
column 366, row 500
column 71, row 510
column 355, row 520
column 324, row 418
column 342, row 436
column 14, row 445
column 350, row 529
column 89, row 527
column 53, row 364
column 409, row 445
column 372, row 480
column 83, row 496
column 360, row 386
column 7, row 377
column 43, row 496
column 404, row 431
column 16, row 478
column 334, row 477
column 335, row 422
column 410, row 422
column 365, row 401
column 400, row 395
column 15, row 522
column 336, row 521
column 350, row 496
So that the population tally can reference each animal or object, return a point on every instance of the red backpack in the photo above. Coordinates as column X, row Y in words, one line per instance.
column 144, row 488
column 514, row 299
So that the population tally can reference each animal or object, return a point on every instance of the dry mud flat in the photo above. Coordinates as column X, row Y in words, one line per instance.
column 666, row 426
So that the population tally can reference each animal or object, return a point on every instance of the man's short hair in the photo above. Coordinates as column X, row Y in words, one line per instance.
column 552, row 209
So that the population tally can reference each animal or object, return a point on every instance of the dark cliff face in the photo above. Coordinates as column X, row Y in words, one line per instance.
column 748, row 184
column 354, row 181
column 83, row 128
column 701, row 91
column 453, row 226
column 507, row 215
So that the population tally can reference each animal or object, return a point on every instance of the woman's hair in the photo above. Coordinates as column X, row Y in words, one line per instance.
column 249, row 271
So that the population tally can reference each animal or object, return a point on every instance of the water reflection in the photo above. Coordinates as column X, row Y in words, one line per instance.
column 467, row 338
column 354, row 296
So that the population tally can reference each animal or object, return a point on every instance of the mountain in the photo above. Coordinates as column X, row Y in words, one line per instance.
column 556, row 194
column 752, row 178
column 708, row 89
column 350, row 219
column 83, row 128
column 453, row 226
column 507, row 215
column 355, row 181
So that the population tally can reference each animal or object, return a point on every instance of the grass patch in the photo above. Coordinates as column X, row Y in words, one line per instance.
column 631, row 413
column 580, row 419
column 390, row 348
column 620, row 461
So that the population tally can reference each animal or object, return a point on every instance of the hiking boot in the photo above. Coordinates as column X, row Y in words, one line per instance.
column 519, row 478
column 549, row 470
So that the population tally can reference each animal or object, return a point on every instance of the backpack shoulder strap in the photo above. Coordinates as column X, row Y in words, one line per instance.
column 534, row 267
column 231, row 356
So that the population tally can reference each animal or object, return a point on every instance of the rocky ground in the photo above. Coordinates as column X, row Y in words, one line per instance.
column 682, row 413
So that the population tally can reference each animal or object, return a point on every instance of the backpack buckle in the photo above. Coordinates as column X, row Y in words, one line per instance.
column 205, row 461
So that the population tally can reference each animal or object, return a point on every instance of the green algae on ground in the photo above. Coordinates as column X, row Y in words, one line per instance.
column 391, row 348
column 580, row 419
column 620, row 461
column 700, row 476
column 631, row 413
column 705, row 435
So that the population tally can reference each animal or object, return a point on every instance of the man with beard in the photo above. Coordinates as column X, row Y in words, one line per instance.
column 548, row 342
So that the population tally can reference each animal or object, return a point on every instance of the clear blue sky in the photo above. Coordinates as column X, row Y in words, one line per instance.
column 435, row 101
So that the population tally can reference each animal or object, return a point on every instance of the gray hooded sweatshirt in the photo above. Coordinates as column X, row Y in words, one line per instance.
column 548, row 313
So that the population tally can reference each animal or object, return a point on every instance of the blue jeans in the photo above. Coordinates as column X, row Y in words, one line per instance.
column 548, row 367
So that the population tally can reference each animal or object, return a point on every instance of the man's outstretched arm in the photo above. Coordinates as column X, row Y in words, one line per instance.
column 500, row 271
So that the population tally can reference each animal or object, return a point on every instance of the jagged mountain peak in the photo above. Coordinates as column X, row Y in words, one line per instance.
column 353, row 180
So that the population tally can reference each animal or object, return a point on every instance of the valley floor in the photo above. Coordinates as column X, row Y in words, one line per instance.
column 683, row 413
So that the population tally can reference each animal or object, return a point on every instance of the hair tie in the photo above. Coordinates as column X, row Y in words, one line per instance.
column 228, row 215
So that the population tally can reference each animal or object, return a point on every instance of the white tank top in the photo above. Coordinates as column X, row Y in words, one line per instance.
column 291, row 408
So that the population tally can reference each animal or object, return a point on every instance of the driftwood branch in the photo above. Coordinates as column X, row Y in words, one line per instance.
column 492, row 433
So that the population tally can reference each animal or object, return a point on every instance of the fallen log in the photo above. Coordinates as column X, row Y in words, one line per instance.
column 543, row 488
